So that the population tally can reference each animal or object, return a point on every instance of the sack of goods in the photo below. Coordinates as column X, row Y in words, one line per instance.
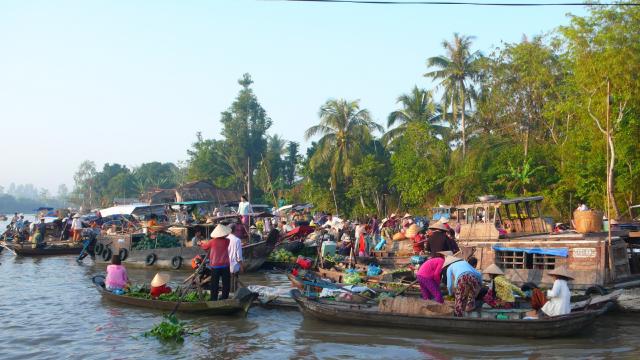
column 418, row 260
column 373, row 270
column 398, row 236
column 414, row 306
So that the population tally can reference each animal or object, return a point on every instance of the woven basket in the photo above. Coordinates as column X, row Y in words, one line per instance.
column 587, row 221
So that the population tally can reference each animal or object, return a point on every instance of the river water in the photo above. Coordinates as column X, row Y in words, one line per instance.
column 50, row 310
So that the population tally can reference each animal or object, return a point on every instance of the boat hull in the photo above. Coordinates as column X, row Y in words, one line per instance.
column 369, row 316
column 220, row 307
column 51, row 250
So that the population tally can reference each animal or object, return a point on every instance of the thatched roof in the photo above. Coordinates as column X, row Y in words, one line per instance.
column 204, row 190
column 159, row 196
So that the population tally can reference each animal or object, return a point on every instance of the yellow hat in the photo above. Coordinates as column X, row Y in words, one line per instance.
column 412, row 231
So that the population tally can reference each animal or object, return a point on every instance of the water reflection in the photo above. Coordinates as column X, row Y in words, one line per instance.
column 51, row 310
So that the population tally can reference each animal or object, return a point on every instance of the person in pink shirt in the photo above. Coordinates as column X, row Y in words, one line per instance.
column 428, row 277
column 117, row 278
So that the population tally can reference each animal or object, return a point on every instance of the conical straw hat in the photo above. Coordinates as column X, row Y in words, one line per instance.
column 493, row 269
column 561, row 271
column 438, row 226
column 220, row 231
column 448, row 260
column 406, row 215
column 446, row 253
column 160, row 279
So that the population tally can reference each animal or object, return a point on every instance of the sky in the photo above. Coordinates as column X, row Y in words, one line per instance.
column 134, row 81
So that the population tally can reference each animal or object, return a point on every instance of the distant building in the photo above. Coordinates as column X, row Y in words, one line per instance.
column 204, row 190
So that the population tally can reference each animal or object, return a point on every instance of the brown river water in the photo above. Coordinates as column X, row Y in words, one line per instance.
column 50, row 310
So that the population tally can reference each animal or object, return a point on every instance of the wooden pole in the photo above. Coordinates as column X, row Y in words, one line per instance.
column 608, row 164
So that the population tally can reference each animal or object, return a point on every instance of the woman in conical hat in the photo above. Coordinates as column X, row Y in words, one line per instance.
column 500, row 294
column 559, row 296
column 159, row 285
column 219, row 261
column 463, row 282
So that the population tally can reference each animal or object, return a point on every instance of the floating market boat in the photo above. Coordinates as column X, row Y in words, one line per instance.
column 370, row 315
column 240, row 303
column 180, row 252
column 50, row 248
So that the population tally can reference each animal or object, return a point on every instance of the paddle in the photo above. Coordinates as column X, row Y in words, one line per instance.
column 194, row 281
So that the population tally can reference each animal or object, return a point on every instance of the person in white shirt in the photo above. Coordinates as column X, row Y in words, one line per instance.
column 235, row 254
column 76, row 227
column 559, row 296
column 244, row 209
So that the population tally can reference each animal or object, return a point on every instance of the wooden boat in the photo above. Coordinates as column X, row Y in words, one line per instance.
column 369, row 315
column 178, row 258
column 51, row 248
column 240, row 303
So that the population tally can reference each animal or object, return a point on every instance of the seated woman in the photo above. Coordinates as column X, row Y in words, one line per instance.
column 559, row 296
column 159, row 285
column 500, row 294
column 117, row 279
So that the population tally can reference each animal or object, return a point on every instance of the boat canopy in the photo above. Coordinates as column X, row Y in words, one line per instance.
column 133, row 209
column 193, row 202
column 563, row 252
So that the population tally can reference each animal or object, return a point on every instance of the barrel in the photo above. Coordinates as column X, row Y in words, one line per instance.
column 587, row 221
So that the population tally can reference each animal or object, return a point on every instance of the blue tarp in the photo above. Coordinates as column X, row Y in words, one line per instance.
column 564, row 252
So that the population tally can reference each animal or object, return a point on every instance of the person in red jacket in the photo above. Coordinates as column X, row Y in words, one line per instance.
column 159, row 285
column 218, row 248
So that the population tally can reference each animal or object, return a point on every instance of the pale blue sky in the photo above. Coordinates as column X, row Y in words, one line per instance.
column 133, row 81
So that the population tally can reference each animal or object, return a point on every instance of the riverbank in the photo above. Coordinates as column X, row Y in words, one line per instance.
column 51, row 310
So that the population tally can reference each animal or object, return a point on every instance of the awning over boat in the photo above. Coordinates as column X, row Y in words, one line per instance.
column 563, row 252
column 133, row 209
column 193, row 202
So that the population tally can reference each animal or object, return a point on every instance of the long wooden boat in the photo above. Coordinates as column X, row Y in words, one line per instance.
column 51, row 248
column 240, row 303
column 369, row 315
column 177, row 258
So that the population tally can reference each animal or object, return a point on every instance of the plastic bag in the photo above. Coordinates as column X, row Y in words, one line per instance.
column 373, row 270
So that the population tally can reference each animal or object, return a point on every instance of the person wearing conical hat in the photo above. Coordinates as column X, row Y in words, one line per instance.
column 500, row 294
column 559, row 296
column 418, row 239
column 159, row 285
column 219, row 263
column 463, row 282
column 439, row 241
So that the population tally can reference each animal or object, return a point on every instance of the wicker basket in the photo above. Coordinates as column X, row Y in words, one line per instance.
column 587, row 221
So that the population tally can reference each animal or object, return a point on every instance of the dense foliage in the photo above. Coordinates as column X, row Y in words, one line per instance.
column 526, row 118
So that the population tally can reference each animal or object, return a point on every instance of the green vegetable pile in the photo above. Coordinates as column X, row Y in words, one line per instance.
column 352, row 279
column 163, row 241
column 282, row 255
column 337, row 258
column 170, row 329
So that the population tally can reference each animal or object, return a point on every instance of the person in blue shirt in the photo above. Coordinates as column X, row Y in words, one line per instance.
column 463, row 282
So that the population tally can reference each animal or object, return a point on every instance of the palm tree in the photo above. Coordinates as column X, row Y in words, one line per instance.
column 517, row 178
column 456, row 70
column 344, row 127
column 416, row 106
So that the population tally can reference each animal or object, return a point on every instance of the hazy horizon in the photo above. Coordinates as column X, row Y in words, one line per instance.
column 133, row 82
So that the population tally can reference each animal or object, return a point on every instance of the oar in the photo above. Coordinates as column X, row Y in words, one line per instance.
column 6, row 246
column 193, row 281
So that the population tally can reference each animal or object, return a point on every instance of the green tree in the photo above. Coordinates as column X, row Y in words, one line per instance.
column 344, row 127
column 291, row 161
column 456, row 71
column 419, row 164
column 418, row 106
column 245, row 124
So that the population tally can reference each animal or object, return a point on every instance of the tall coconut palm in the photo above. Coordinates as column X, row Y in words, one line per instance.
column 344, row 128
column 416, row 106
column 456, row 70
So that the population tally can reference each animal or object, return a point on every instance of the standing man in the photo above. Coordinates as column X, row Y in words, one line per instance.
column 235, row 255
column 244, row 209
column 14, row 219
column 76, row 227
